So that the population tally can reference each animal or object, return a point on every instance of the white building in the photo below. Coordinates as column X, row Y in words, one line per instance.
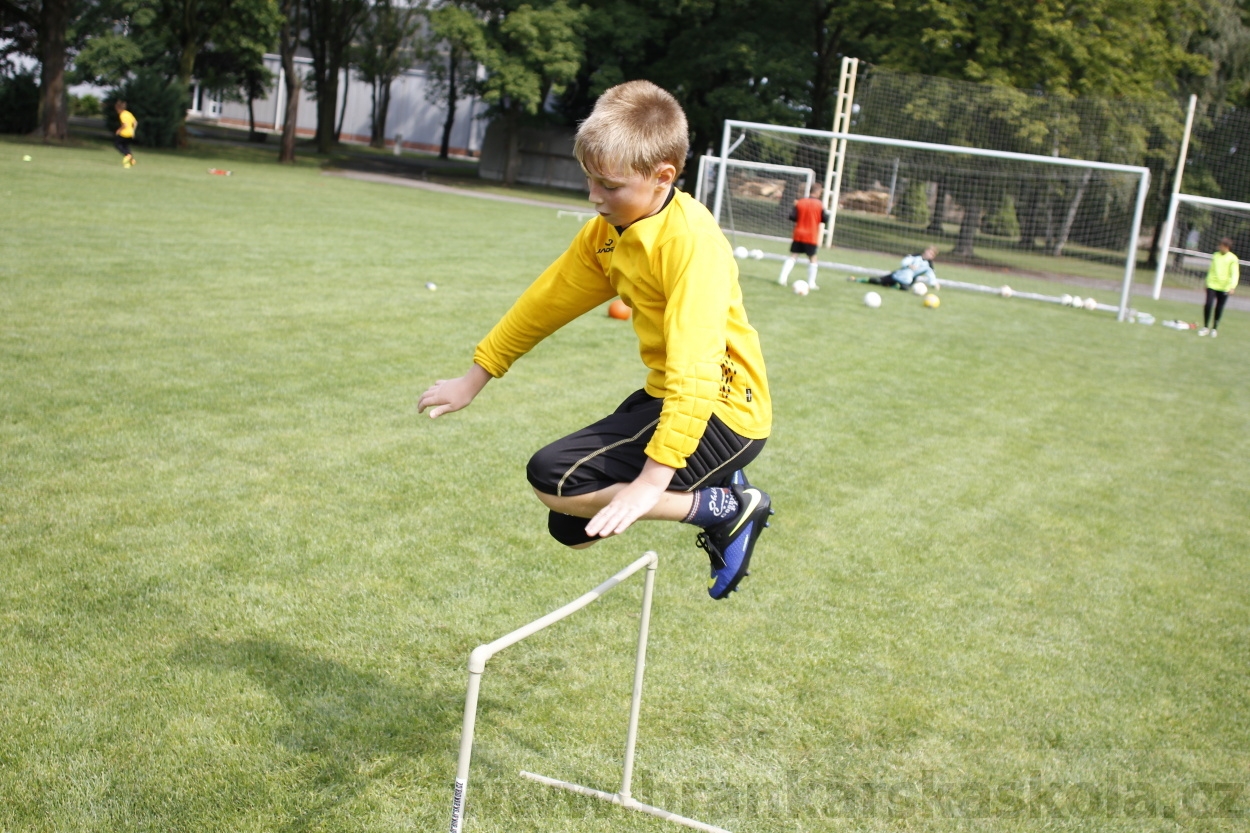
column 412, row 119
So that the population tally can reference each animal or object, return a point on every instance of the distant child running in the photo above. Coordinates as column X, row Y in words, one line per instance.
column 125, row 133
column 674, row 450
column 1222, row 279
column 808, row 214
column 913, row 268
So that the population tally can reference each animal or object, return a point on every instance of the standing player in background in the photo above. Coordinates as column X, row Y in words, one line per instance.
column 674, row 450
column 1222, row 280
column 808, row 214
column 125, row 133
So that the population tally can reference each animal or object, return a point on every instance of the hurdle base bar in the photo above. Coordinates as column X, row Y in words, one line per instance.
column 624, row 801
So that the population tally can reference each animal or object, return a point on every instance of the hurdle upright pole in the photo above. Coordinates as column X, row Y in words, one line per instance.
column 640, row 664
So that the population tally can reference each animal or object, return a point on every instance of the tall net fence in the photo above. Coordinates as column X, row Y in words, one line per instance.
column 1023, row 215
column 1218, row 168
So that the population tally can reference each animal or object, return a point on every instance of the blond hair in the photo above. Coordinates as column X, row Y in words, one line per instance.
column 635, row 126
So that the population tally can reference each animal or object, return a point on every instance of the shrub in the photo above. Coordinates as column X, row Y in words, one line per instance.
column 159, row 104
column 84, row 105
column 1002, row 221
column 19, row 103
column 913, row 208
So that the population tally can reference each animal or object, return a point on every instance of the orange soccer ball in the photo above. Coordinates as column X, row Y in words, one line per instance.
column 617, row 309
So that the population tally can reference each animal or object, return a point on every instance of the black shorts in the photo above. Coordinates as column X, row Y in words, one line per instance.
column 798, row 248
column 612, row 451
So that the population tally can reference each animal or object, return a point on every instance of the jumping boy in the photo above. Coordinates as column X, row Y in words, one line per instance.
column 808, row 214
column 125, row 133
column 675, row 450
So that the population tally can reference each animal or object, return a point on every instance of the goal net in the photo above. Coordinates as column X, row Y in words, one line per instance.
column 1199, row 224
column 763, row 193
column 1034, row 215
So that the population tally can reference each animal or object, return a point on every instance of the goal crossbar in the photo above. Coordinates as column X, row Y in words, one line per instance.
column 1140, row 172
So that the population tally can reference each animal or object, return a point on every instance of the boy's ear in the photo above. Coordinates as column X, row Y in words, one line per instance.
column 665, row 173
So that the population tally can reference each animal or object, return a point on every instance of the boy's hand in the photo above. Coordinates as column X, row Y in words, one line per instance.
column 447, row 395
column 633, row 501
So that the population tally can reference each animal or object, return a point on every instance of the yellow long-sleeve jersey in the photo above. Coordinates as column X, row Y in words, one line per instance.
column 676, row 271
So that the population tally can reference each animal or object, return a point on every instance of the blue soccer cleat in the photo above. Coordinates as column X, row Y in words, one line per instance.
column 729, row 544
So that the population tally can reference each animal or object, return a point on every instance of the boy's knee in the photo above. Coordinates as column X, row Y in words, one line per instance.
column 540, row 471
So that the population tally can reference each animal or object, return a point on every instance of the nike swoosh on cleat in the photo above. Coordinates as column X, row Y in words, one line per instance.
column 745, row 515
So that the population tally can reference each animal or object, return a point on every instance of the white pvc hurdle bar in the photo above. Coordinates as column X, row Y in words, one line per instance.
column 477, row 665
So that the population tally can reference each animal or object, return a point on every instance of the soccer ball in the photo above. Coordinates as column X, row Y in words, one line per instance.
column 1077, row 301
column 920, row 288
column 872, row 299
column 1066, row 300
column 1091, row 304
column 431, row 286
column 757, row 254
column 740, row 252
column 1005, row 291
column 801, row 287
column 618, row 310
column 932, row 301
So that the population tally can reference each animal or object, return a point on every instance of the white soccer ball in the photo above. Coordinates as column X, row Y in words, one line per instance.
column 757, row 254
column 1005, row 291
column 1091, row 304
column 800, row 287
column 1077, row 301
column 1066, row 300
column 920, row 288
column 872, row 299
column 740, row 252
column 431, row 286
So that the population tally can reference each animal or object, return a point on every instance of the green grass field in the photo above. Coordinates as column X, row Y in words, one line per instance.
column 1006, row 587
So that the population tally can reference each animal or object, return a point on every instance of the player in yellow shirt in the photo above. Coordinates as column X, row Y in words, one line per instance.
column 125, row 133
column 1222, row 279
column 675, row 449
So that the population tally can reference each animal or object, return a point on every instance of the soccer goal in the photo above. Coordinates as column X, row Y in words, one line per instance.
column 1192, row 232
column 1011, row 212
column 765, row 191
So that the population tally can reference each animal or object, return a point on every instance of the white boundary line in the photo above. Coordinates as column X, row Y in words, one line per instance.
column 477, row 665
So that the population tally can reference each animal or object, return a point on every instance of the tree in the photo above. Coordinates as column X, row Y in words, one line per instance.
column 42, row 29
column 529, row 54
column 288, row 42
column 456, row 36
column 385, row 50
column 232, row 64
column 331, row 28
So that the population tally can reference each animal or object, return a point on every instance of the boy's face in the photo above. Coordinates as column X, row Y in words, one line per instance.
column 624, row 198
column 1225, row 248
column 930, row 253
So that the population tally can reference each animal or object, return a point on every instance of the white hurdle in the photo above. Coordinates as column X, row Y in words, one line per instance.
column 477, row 665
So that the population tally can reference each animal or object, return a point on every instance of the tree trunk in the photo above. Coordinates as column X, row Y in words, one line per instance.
column 968, row 230
column 375, row 131
column 384, row 111
column 289, row 36
column 338, row 131
column 1070, row 217
column 53, row 23
column 939, row 209
column 512, row 167
column 824, row 75
column 453, row 58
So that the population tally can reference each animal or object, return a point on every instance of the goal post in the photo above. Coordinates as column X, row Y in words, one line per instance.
column 1042, row 214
